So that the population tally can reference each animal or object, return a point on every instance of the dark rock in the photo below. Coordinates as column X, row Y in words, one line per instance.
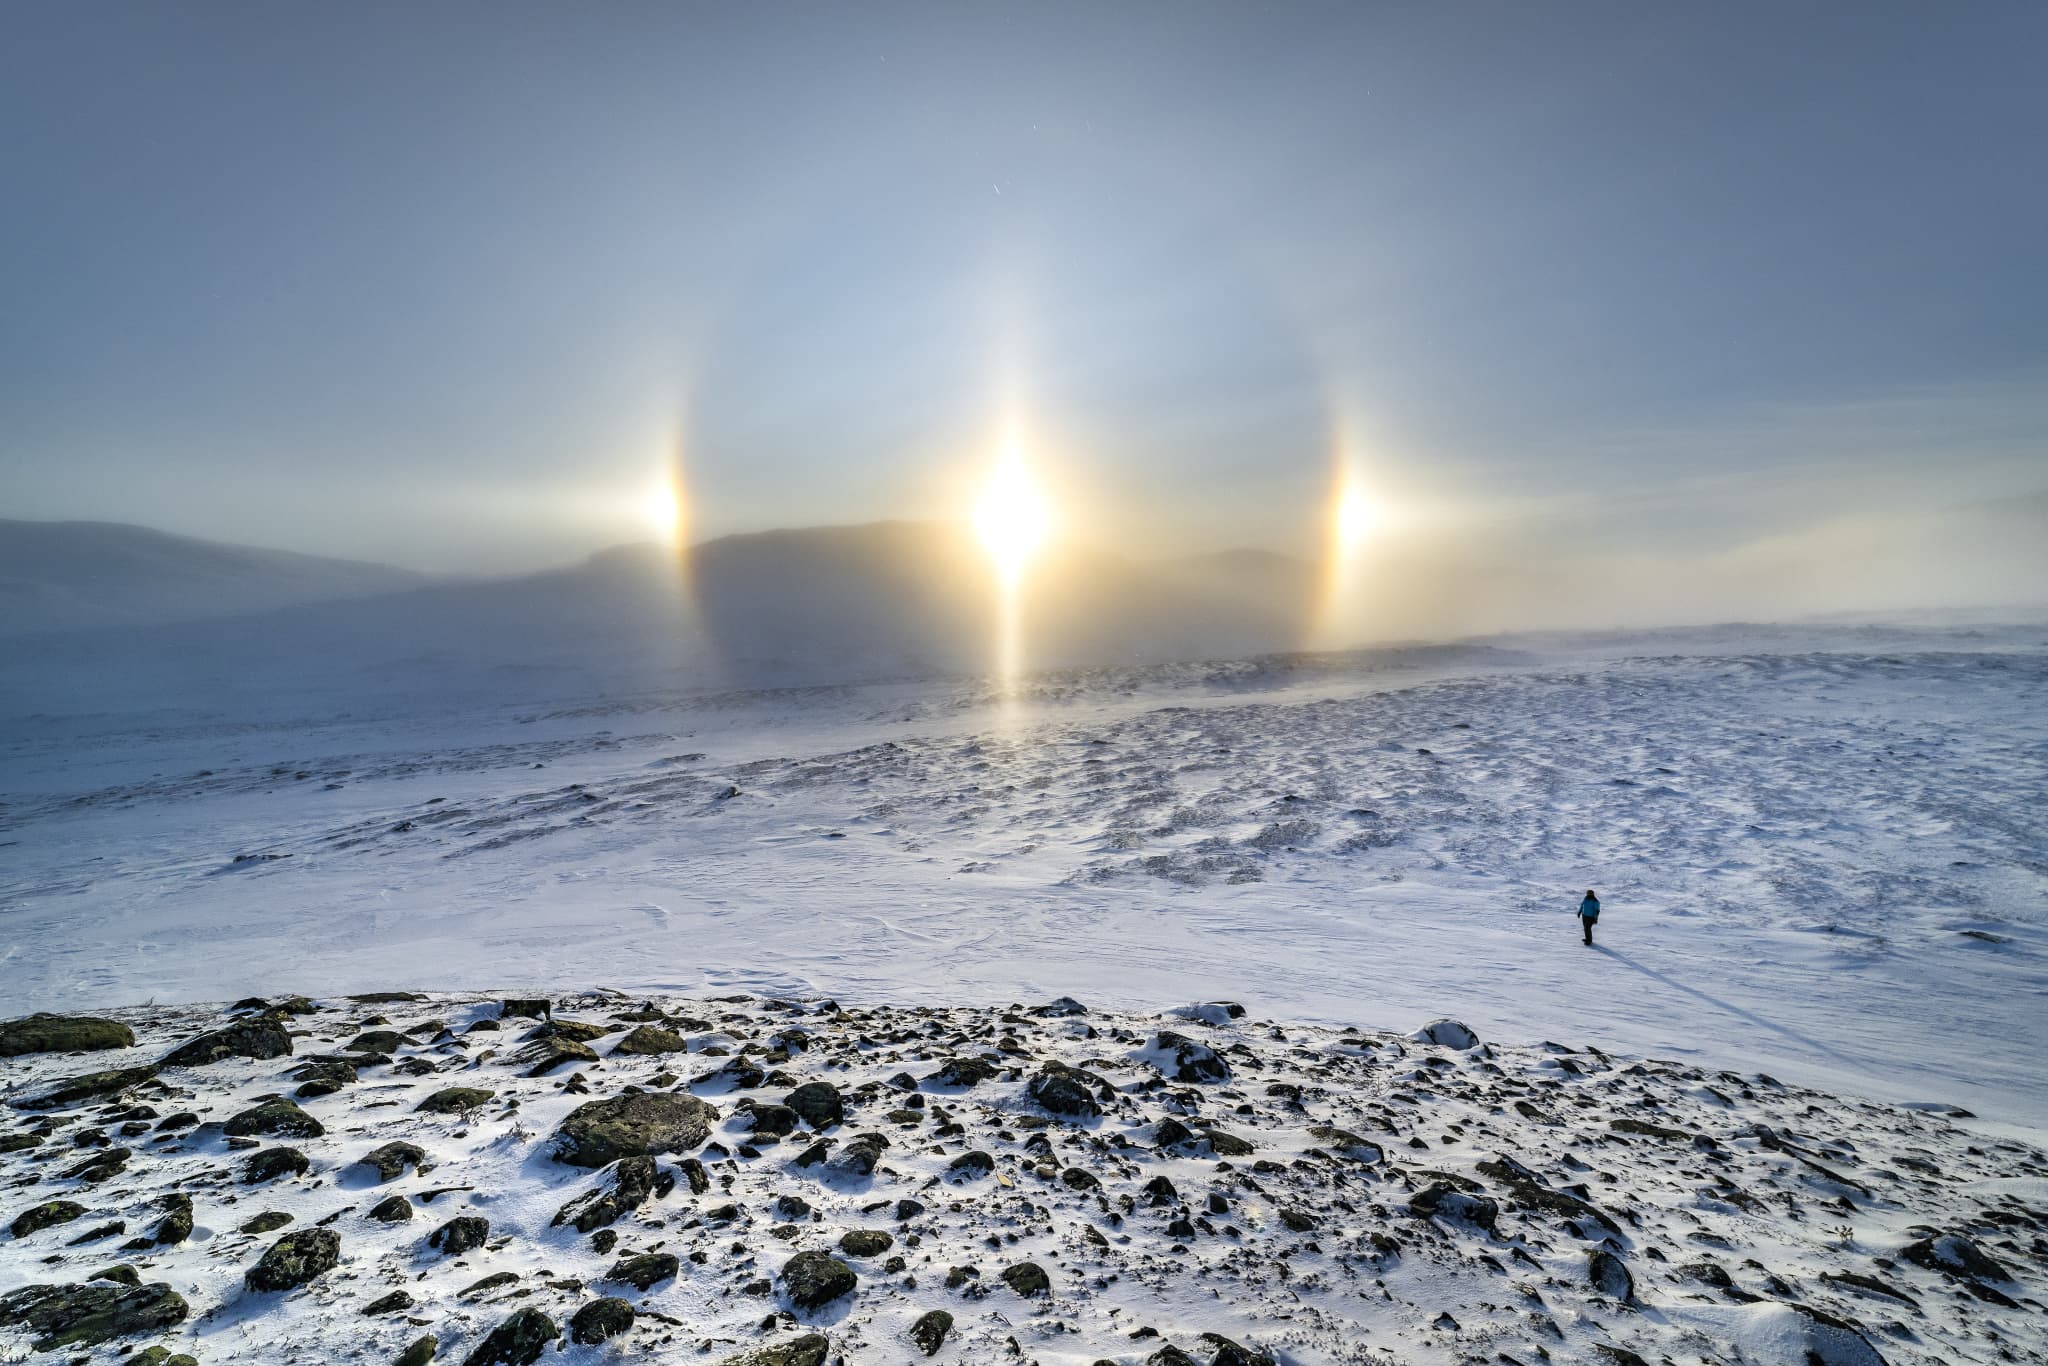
column 420, row 1352
column 176, row 1225
column 818, row 1104
column 647, row 1041
column 270, row 1221
column 259, row 1038
column 322, row 1077
column 388, row 1304
column 386, row 1041
column 544, row 1055
column 778, row 1120
column 1064, row 1091
column 62, row 1034
column 645, row 1270
column 460, row 1234
column 1951, row 1254
column 391, row 1159
column 1446, row 1034
column 526, row 1009
column 1188, row 1060
column 271, row 1163
column 295, row 1259
column 931, row 1330
column 518, row 1341
column 623, row 1187
column 392, row 1209
column 643, row 1124
column 1229, row 1353
column 813, row 1280
column 809, row 1350
column 1441, row 1200
column 1345, row 1144
column 1610, row 1276
column 90, row 1314
column 46, row 1215
column 601, row 1320
column 967, row 1072
column 90, row 1086
column 866, row 1242
column 275, row 1116
column 455, row 1100
column 970, row 1165
column 1028, row 1279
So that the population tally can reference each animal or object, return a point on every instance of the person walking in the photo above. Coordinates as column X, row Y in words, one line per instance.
column 1589, row 911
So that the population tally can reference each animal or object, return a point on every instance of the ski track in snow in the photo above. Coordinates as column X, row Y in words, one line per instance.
column 1825, row 861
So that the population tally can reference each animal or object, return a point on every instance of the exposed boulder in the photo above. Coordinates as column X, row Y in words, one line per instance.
column 813, row 1280
column 1065, row 1091
column 642, row 1124
column 90, row 1314
column 809, row 1350
column 1610, row 1275
column 260, row 1037
column 49, row 1214
column 931, row 1330
column 273, row 1116
column 623, row 1187
column 460, row 1234
column 601, row 1320
column 391, row 1159
column 1184, row 1059
column 1446, row 1034
column 645, row 1270
column 818, row 1103
column 295, row 1259
column 647, row 1041
column 62, row 1034
column 518, row 1341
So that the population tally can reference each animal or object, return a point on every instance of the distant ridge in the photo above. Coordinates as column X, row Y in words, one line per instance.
column 63, row 576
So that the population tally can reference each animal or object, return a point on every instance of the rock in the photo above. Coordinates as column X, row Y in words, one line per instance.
column 573, row 1031
column 1028, row 1279
column 391, row 1160
column 1610, row 1276
column 931, row 1330
column 46, row 1215
column 818, row 1104
column 176, row 1225
column 1441, row 1200
column 1229, row 1353
column 1053, row 1010
column 623, row 1187
column 531, row 1009
column 62, row 1034
column 1345, row 1144
column 270, row 1221
column 1953, row 1255
column 970, row 1165
column 420, row 1353
column 544, row 1055
column 808, row 1350
column 392, row 1209
column 90, row 1314
column 645, row 1270
column 1824, row 1340
column 460, row 1234
column 1446, row 1034
column 1064, row 1091
column 90, row 1086
column 258, row 1038
column 322, row 1077
column 518, row 1341
column 388, row 1304
column 967, row 1072
column 601, row 1320
column 860, row 1155
column 160, row 1356
column 276, row 1117
column 813, row 1280
column 1186, row 1060
column 295, row 1259
column 384, row 1041
column 1299, row 1221
column 647, row 1041
column 778, row 1120
column 1170, row 1355
column 643, row 1124
column 866, row 1242
column 1225, row 1144
column 272, row 1163
column 455, row 1100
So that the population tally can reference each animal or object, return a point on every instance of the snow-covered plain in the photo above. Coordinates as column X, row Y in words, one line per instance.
column 1823, row 852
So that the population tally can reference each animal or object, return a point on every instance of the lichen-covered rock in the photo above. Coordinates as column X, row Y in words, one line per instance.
column 813, row 1280
column 644, row 1270
column 455, row 1100
column 272, row 1163
column 931, row 1331
column 104, row 1085
column 649, row 1041
column 62, row 1034
column 259, row 1038
column 46, row 1215
column 1028, row 1279
column 392, row 1209
column 295, row 1259
column 643, row 1124
column 623, row 1187
column 460, row 1234
column 817, row 1103
column 865, row 1242
column 518, row 1341
column 391, row 1159
column 601, row 1320
column 90, row 1314
column 176, row 1225
column 274, row 1116
column 420, row 1352
column 809, row 1350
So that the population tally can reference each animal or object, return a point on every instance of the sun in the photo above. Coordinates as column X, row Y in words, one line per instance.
column 1357, row 516
column 662, row 506
column 1013, row 518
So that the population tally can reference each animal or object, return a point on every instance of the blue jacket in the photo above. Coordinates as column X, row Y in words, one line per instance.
column 1590, row 909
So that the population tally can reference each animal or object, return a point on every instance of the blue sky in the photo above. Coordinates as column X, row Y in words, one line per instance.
column 440, row 284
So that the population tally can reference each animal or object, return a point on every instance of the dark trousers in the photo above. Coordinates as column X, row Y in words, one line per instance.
column 1586, row 924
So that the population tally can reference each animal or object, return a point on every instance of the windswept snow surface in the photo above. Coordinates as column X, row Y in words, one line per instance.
column 1822, row 853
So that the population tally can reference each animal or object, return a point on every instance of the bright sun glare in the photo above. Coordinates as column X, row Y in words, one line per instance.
column 663, row 509
column 1357, row 516
column 1012, row 517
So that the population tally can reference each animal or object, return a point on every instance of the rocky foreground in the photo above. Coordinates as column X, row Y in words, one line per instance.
column 410, row 1178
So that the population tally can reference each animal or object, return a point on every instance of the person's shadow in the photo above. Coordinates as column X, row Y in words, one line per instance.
column 1736, row 1011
